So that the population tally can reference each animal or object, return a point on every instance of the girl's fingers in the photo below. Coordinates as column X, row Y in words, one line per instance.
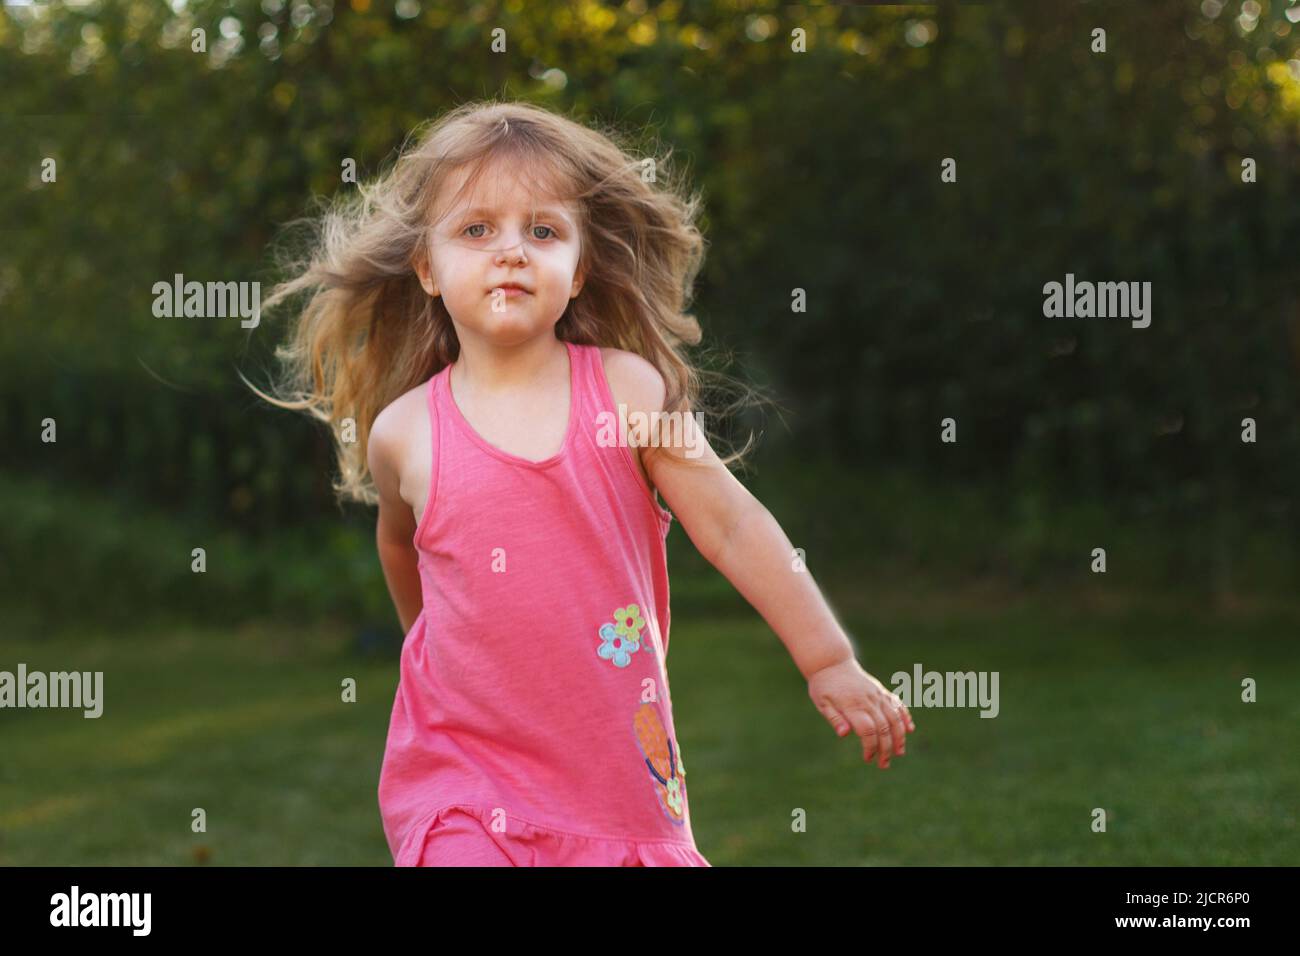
column 835, row 718
column 876, row 730
column 895, row 703
column 881, row 724
column 864, row 725
column 886, row 735
column 897, row 724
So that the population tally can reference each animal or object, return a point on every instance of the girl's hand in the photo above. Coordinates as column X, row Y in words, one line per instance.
column 849, row 697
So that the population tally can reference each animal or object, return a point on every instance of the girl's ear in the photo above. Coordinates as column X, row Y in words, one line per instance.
column 421, row 265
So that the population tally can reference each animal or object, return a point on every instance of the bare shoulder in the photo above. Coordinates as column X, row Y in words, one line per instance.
column 634, row 381
column 401, row 423
column 636, row 385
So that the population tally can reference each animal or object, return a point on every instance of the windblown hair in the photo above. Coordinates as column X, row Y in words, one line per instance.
column 369, row 332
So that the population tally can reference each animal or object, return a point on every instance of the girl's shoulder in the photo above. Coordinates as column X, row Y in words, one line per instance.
column 410, row 409
column 633, row 380
column 636, row 385
column 401, row 423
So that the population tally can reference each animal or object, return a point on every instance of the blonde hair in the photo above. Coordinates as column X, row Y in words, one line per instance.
column 369, row 332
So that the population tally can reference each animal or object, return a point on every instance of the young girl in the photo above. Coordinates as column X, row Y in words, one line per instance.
column 487, row 322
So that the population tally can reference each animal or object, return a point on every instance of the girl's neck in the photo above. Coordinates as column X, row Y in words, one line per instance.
column 486, row 368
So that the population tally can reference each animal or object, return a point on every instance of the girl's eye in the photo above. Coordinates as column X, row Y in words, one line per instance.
column 479, row 225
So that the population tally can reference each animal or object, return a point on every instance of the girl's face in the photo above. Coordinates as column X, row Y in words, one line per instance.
column 491, row 238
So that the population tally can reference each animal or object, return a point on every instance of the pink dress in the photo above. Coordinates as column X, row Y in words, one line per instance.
column 532, row 724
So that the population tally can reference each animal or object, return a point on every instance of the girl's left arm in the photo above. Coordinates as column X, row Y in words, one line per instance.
column 741, row 538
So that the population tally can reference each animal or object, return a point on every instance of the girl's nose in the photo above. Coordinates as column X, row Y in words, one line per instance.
column 515, row 251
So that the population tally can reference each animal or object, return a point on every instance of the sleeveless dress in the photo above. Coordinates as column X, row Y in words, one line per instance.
column 532, row 724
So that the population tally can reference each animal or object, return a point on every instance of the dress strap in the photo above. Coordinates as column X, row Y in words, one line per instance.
column 435, row 451
column 598, row 395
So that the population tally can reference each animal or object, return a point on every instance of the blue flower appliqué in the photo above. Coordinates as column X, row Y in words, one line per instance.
column 616, row 647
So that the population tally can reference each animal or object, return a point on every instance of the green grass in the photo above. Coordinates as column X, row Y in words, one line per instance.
column 1137, row 711
column 1139, row 714
column 248, row 725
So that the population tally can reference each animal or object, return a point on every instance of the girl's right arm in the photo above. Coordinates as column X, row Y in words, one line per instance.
column 396, row 525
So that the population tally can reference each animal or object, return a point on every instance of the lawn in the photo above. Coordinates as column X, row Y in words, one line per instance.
column 1135, row 709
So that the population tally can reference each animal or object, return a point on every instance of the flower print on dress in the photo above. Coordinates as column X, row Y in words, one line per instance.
column 628, row 622
column 616, row 647
column 661, row 758
column 622, row 638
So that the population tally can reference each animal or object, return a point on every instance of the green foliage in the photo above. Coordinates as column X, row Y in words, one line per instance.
column 88, row 556
column 820, row 172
